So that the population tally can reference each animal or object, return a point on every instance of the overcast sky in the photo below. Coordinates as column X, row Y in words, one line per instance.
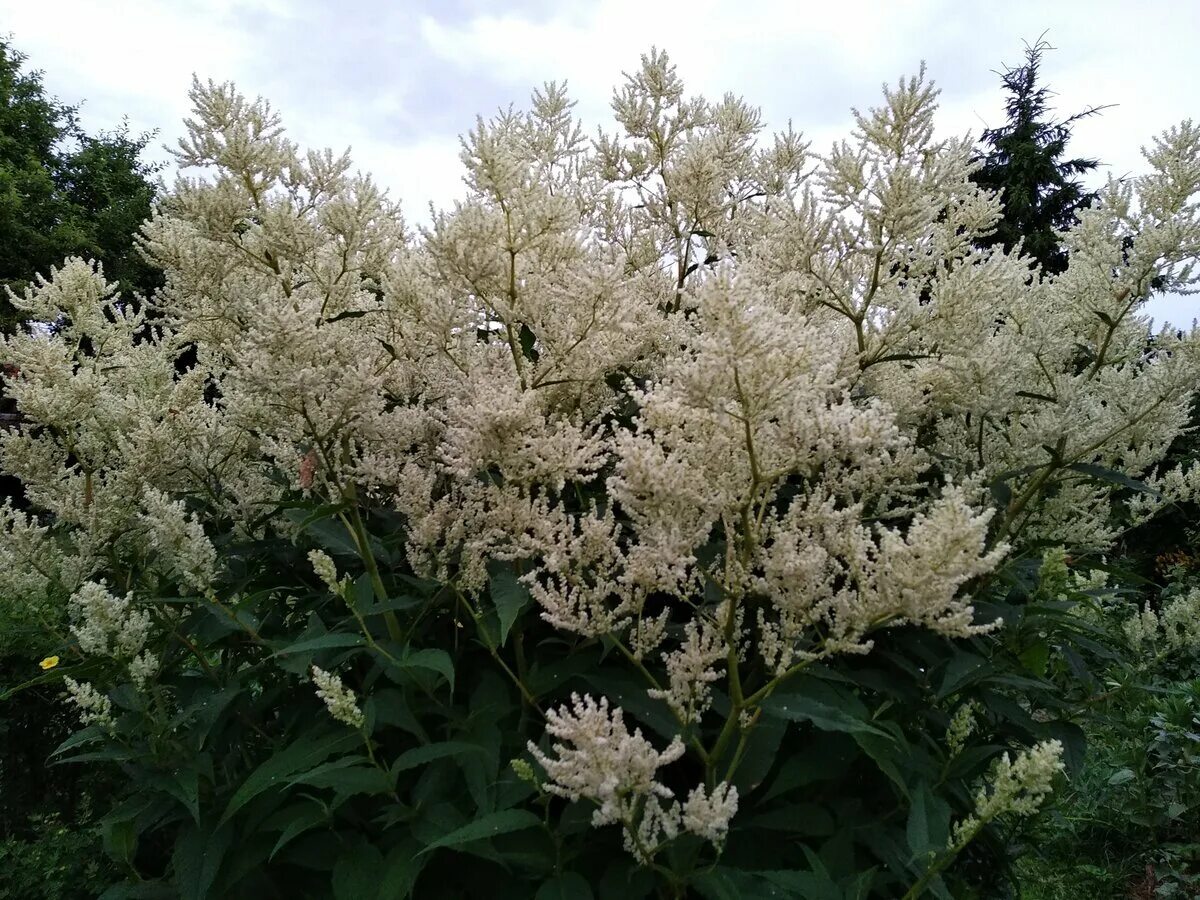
column 399, row 81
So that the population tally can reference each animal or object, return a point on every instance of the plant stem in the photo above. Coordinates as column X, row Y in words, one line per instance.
column 526, row 695
column 354, row 524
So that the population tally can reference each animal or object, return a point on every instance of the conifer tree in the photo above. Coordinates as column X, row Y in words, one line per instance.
column 1024, row 158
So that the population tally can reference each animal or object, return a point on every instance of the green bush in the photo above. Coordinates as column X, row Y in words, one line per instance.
column 54, row 862
column 1126, row 826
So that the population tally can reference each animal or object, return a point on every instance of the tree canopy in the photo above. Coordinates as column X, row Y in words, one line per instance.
column 64, row 192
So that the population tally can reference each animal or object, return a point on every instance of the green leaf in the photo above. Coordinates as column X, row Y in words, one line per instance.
column 807, row 819
column 623, row 879
column 973, row 760
column 1121, row 776
column 206, row 707
column 762, row 748
column 528, row 343
column 823, row 759
column 390, row 604
column 928, row 824
column 309, row 817
column 304, row 512
column 401, row 869
column 937, row 887
column 122, row 825
column 825, row 707
column 184, row 786
column 1032, row 395
column 999, row 486
column 1112, row 476
column 347, row 781
column 858, row 887
column 109, row 754
column 508, row 594
column 567, row 886
column 120, row 838
column 1036, row 657
column 889, row 755
column 627, row 691
column 230, row 619
column 197, row 859
column 1001, row 492
column 357, row 873
column 962, row 669
column 827, row 718
column 332, row 641
column 430, row 659
column 727, row 883
column 389, row 706
column 306, row 752
column 420, row 756
column 144, row 890
column 86, row 736
column 554, row 676
column 803, row 885
column 328, row 532
column 488, row 826
column 1074, row 742
column 717, row 884
column 350, row 314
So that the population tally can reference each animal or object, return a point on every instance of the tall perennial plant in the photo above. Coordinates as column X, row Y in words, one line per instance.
column 674, row 492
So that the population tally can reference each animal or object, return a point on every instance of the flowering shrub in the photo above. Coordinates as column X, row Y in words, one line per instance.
column 647, row 524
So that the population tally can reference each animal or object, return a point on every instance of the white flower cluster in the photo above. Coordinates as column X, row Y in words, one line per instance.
column 692, row 669
column 111, row 626
column 325, row 569
column 962, row 726
column 597, row 759
column 179, row 540
column 1015, row 786
column 338, row 699
column 31, row 566
column 707, row 814
column 94, row 707
column 1175, row 628
column 107, row 625
column 113, row 431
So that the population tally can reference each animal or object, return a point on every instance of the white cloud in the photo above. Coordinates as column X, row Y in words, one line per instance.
column 417, row 174
column 130, row 58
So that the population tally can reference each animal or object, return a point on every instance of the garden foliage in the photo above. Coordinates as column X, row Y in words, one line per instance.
column 669, row 518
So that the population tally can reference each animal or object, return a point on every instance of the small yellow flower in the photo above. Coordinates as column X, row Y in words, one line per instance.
column 49, row 662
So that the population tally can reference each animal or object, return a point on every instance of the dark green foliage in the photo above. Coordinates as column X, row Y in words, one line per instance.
column 64, row 192
column 54, row 862
column 1024, row 158
column 254, row 791
column 1127, row 826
